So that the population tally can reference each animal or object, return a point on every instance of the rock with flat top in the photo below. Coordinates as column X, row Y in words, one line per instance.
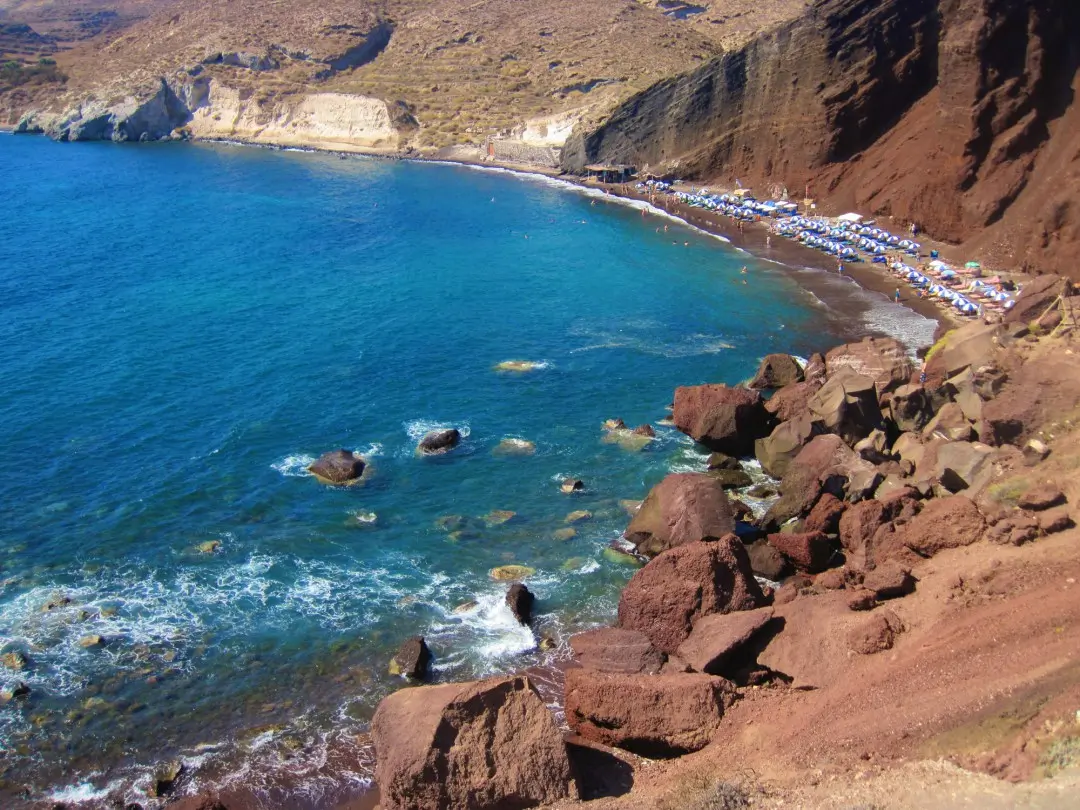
column 616, row 649
column 884, row 360
column 683, row 508
column 889, row 581
column 808, row 551
column 484, row 745
column 338, row 467
column 1041, row 496
column 716, row 640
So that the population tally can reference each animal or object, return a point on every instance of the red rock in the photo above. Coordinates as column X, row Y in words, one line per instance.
column 808, row 551
column 791, row 401
column 801, row 486
column 614, row 649
column 875, row 634
column 1042, row 496
column 812, row 648
column 721, row 418
column 1037, row 296
column 858, row 526
column 862, row 599
column 487, row 744
column 717, row 639
column 650, row 715
column 777, row 450
column 683, row 508
column 777, row 371
column 767, row 562
column 834, row 580
column 943, row 523
column 847, row 405
column 644, row 430
column 884, row 360
column 1054, row 520
column 815, row 370
column 666, row 597
column 889, row 581
column 338, row 467
column 826, row 514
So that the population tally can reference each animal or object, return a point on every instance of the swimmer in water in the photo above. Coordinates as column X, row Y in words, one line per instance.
column 743, row 271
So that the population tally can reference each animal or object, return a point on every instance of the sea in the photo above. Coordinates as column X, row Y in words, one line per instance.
column 184, row 328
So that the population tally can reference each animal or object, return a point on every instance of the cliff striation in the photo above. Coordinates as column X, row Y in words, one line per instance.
column 956, row 114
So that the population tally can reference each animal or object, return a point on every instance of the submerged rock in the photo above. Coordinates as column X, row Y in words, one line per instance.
column 14, row 661
column 509, row 573
column 338, row 467
column 578, row 516
column 15, row 692
column 514, row 447
column 519, row 366
column 436, row 442
column 497, row 517
column 620, row 557
column 564, row 534
column 208, row 546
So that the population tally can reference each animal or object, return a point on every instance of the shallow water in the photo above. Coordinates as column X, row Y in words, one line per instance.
column 184, row 328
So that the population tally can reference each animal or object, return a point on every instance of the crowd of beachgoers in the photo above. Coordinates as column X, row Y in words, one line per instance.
column 850, row 238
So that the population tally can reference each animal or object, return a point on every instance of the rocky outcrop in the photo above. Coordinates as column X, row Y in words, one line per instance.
column 683, row 508
column 666, row 597
column 654, row 716
column 338, row 467
column 724, row 419
column 485, row 745
column 960, row 112
column 776, row 371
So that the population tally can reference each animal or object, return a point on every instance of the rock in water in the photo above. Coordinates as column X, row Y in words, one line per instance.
column 486, row 745
column 724, row 419
column 645, row 430
column 514, row 447
column 519, row 366
column 776, row 371
column 571, row 485
column 666, row 597
column 412, row 659
column 508, row 573
column 653, row 716
column 436, row 442
column 338, row 467
column 684, row 507
column 520, row 601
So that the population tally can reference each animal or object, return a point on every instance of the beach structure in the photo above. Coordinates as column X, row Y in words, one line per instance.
column 610, row 172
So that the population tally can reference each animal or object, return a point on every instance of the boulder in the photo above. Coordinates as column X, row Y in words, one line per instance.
column 875, row 634
column 436, row 442
column 792, row 400
column 776, row 452
column 974, row 345
column 666, row 597
column 776, row 371
column 654, row 716
column 715, row 642
column 1016, row 529
column 520, row 600
column 337, row 467
column 1052, row 521
column 889, row 581
column 616, row 649
column 412, row 659
column 908, row 447
column 862, row 599
column 949, row 424
column 910, row 408
column 823, row 456
column 808, row 551
column 571, row 485
column 722, row 461
column 682, row 508
column 1037, row 296
column 883, row 360
column 645, row 430
column 812, row 648
column 732, row 479
column 724, row 419
column 859, row 532
column 766, row 561
column 1041, row 496
column 963, row 465
column 874, row 448
column 487, row 745
column 826, row 514
column 943, row 523
column 815, row 371
column 847, row 405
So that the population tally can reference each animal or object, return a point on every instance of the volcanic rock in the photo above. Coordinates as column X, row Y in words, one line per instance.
column 826, row 514
column 889, row 581
column 666, row 597
column 717, row 639
column 777, row 371
column 487, row 745
column 823, row 456
column 571, row 485
column 509, row 573
column 963, row 465
column 615, row 649
column 684, row 507
column 645, row 430
column 722, row 461
column 910, row 408
column 520, row 601
column 791, row 401
column 767, row 562
column 731, row 479
column 338, row 467
column 949, row 424
column 437, row 442
column 862, row 599
column 412, row 659
column 883, row 360
column 943, row 523
column 1054, row 520
column 808, row 551
column 1041, row 496
column 847, row 405
column 199, row 802
column 875, row 634
column 723, row 419
column 776, row 451
column 654, row 716
column 1038, row 295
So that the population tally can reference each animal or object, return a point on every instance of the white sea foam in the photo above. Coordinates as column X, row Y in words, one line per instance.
column 294, row 466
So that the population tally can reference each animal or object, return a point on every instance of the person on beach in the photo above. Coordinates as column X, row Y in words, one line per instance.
column 896, row 295
column 840, row 268
column 768, row 241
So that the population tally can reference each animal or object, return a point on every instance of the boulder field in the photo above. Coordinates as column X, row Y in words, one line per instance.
column 895, row 469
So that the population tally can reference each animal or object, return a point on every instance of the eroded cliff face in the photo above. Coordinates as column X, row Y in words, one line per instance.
column 956, row 114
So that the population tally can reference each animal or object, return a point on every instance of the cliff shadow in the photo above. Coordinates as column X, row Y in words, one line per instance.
column 599, row 773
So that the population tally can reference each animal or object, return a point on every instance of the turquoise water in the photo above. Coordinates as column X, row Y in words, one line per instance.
column 185, row 327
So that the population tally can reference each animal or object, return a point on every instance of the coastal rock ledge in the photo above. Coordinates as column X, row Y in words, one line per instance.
column 480, row 745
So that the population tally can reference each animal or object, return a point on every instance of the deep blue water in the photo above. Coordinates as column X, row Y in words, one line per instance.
column 183, row 328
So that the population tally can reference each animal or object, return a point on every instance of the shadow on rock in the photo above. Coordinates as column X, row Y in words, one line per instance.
column 599, row 773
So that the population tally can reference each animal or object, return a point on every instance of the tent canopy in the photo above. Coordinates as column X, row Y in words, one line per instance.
column 850, row 218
